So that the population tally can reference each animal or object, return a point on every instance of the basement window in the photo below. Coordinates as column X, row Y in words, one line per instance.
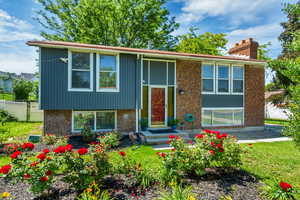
column 222, row 116
column 97, row 120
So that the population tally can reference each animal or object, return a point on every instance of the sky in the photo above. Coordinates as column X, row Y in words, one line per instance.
column 239, row 19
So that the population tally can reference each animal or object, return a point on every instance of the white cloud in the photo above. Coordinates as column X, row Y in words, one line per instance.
column 15, row 56
column 237, row 11
column 17, row 62
column 14, row 29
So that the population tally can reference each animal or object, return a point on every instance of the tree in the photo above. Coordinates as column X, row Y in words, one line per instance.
column 207, row 43
column 22, row 89
column 290, row 27
column 292, row 70
column 262, row 52
column 287, row 37
column 128, row 23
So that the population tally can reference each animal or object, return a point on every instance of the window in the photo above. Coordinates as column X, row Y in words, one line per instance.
column 223, row 79
column 208, row 78
column 98, row 120
column 80, row 71
column 237, row 79
column 107, row 73
column 222, row 116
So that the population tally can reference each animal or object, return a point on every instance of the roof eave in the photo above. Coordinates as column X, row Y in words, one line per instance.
column 157, row 55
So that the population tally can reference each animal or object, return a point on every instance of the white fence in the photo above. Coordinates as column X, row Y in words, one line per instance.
column 24, row 111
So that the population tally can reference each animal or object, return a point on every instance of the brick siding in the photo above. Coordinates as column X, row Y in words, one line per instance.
column 188, row 75
column 254, row 96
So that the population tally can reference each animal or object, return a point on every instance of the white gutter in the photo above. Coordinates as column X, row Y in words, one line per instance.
column 154, row 54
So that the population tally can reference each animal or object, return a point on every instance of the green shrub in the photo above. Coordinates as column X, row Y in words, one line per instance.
column 212, row 149
column 22, row 89
column 111, row 139
column 94, row 193
column 6, row 117
column 178, row 193
column 49, row 139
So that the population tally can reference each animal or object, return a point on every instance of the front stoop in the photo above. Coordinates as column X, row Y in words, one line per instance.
column 163, row 138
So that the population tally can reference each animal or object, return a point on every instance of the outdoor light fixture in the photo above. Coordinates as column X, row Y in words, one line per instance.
column 181, row 91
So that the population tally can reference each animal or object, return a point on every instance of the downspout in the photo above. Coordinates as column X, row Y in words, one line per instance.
column 137, row 111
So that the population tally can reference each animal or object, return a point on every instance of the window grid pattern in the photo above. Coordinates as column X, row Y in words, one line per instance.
column 222, row 117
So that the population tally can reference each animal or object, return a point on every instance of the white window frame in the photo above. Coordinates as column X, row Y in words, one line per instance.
column 70, row 72
column 223, row 108
column 214, row 78
column 217, row 78
column 231, row 88
column 98, row 89
column 95, row 122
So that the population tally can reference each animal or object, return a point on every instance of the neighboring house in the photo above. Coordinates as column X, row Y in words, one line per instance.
column 275, row 111
column 6, row 83
column 28, row 77
column 119, row 86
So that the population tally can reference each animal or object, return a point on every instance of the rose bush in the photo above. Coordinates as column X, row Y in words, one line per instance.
column 78, row 168
column 211, row 149
column 111, row 139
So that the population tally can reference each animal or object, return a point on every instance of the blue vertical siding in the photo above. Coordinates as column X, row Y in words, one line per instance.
column 54, row 85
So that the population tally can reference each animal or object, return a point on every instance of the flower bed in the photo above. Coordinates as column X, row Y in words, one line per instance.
column 210, row 169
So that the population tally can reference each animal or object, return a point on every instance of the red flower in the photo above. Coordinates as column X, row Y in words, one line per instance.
column 212, row 144
column 5, row 169
column 199, row 136
column 44, row 178
column 218, row 136
column 15, row 154
column 82, row 151
column 171, row 137
column 68, row 147
column 212, row 152
column 48, row 173
column 161, row 154
column 122, row 153
column 285, row 186
column 41, row 156
column 60, row 149
column 26, row 176
column 207, row 131
column 219, row 145
column 28, row 145
column 221, row 150
column 34, row 164
column 215, row 132
column 224, row 135
column 190, row 142
column 45, row 151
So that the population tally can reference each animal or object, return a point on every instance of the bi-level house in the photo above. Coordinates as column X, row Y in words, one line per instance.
column 119, row 86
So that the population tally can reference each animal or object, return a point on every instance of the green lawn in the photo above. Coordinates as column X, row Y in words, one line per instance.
column 6, row 96
column 22, row 129
column 277, row 121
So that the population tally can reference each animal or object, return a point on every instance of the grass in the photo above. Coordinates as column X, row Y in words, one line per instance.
column 7, row 96
column 277, row 122
column 22, row 129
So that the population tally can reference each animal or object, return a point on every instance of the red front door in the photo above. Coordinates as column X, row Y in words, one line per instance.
column 158, row 106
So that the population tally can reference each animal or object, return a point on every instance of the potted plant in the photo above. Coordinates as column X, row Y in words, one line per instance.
column 173, row 123
column 144, row 124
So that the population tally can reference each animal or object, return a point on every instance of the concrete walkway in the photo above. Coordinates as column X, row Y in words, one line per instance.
column 271, row 133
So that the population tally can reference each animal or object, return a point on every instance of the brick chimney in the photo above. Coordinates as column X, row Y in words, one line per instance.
column 246, row 48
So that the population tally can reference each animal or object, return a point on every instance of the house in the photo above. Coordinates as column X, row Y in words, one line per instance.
column 276, row 111
column 28, row 77
column 6, row 82
column 118, row 86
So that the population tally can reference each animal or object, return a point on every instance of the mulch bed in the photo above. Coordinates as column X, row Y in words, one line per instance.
column 215, row 184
